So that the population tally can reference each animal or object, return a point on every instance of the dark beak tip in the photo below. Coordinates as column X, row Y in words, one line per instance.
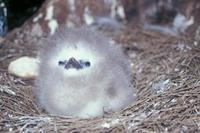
column 73, row 63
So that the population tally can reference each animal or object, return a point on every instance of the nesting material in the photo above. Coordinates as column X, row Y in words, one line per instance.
column 24, row 67
column 83, row 75
column 167, row 79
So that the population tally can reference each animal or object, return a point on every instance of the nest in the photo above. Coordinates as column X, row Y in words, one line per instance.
column 166, row 73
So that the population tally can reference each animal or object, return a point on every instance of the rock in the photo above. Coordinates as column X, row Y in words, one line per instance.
column 24, row 67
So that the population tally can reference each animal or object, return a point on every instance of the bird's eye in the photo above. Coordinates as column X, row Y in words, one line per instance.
column 87, row 63
column 61, row 63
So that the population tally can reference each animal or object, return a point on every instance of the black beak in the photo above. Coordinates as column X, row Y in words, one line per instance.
column 73, row 63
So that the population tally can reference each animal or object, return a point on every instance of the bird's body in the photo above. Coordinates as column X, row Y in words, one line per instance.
column 81, row 74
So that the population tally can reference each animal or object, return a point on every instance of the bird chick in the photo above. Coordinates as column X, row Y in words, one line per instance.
column 82, row 74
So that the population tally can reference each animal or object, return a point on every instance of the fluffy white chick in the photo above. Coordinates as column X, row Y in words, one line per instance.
column 82, row 74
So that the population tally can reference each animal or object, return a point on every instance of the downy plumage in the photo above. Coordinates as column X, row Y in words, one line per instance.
column 82, row 74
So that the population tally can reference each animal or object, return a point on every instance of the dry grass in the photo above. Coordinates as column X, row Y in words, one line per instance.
column 166, row 73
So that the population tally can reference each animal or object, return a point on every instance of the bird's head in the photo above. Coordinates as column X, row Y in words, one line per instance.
column 76, row 60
